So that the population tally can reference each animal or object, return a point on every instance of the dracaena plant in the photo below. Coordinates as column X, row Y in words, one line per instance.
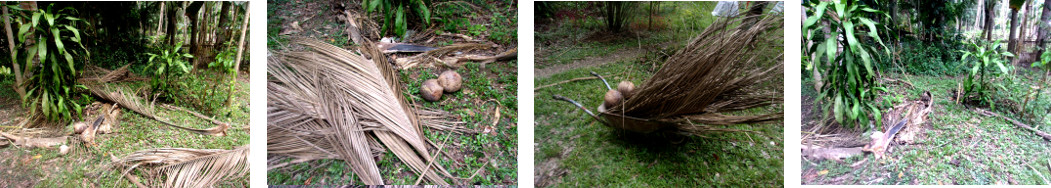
column 396, row 13
column 981, row 57
column 835, row 35
column 166, row 66
column 51, row 38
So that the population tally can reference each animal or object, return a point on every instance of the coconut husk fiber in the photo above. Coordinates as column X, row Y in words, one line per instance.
column 329, row 103
column 714, row 74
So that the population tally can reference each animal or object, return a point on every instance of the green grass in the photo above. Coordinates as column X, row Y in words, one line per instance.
column 684, row 19
column 135, row 132
column 598, row 156
column 960, row 147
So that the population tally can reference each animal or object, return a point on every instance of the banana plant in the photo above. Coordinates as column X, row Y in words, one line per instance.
column 842, row 60
column 44, row 36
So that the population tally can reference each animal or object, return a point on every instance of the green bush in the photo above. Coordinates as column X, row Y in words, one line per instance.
column 849, row 74
column 984, row 56
column 166, row 67
column 45, row 35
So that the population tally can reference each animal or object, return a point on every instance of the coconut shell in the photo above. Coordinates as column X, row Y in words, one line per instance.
column 79, row 127
column 613, row 98
column 450, row 81
column 626, row 88
column 431, row 90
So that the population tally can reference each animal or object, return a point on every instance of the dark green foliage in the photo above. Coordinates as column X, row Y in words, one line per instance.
column 167, row 67
column 926, row 58
column 618, row 13
column 849, row 74
column 984, row 56
column 396, row 13
column 49, row 36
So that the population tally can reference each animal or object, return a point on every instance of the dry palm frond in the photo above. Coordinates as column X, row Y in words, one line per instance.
column 429, row 58
column 185, row 167
column 133, row 103
column 708, row 77
column 331, row 103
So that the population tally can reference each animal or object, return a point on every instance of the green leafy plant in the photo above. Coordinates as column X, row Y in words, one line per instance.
column 45, row 34
column 165, row 67
column 984, row 56
column 1034, row 94
column 396, row 13
column 846, row 76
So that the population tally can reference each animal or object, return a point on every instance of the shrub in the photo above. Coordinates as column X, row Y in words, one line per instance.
column 46, row 35
column 166, row 67
column 849, row 74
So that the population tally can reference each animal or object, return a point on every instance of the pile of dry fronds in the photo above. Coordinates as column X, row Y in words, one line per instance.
column 184, row 167
column 330, row 103
column 711, row 76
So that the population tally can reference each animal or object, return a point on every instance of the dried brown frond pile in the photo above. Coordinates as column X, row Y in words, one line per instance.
column 186, row 167
column 713, row 75
column 330, row 103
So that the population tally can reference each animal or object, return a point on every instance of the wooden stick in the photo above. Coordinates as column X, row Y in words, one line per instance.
column 571, row 80
column 1016, row 123
column 433, row 158
column 202, row 116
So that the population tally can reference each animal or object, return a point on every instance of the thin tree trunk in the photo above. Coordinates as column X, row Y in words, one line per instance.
column 14, row 63
column 1024, row 26
column 240, row 50
column 990, row 10
column 1012, row 41
column 223, row 18
column 160, row 20
column 1042, row 26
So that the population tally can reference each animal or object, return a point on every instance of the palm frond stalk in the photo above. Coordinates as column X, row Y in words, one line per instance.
column 187, row 167
column 330, row 103
column 711, row 76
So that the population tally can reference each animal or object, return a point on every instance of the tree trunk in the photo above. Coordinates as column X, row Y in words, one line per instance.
column 14, row 63
column 1042, row 27
column 987, row 30
column 192, row 13
column 237, row 60
column 223, row 18
column 1012, row 41
column 170, row 31
column 160, row 20
column 1025, row 25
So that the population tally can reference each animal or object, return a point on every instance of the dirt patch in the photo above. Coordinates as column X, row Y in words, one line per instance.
column 629, row 53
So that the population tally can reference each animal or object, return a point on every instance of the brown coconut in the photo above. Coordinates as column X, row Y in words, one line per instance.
column 431, row 90
column 79, row 127
column 626, row 88
column 613, row 98
column 450, row 81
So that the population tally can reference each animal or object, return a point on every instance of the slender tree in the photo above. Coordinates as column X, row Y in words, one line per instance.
column 990, row 10
column 1012, row 40
column 240, row 50
column 1042, row 27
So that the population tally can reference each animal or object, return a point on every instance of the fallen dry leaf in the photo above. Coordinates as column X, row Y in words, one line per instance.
column 822, row 172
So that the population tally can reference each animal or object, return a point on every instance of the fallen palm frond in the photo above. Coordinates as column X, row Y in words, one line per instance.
column 185, row 167
column 712, row 75
column 133, row 103
column 434, row 57
column 328, row 102
column 6, row 139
